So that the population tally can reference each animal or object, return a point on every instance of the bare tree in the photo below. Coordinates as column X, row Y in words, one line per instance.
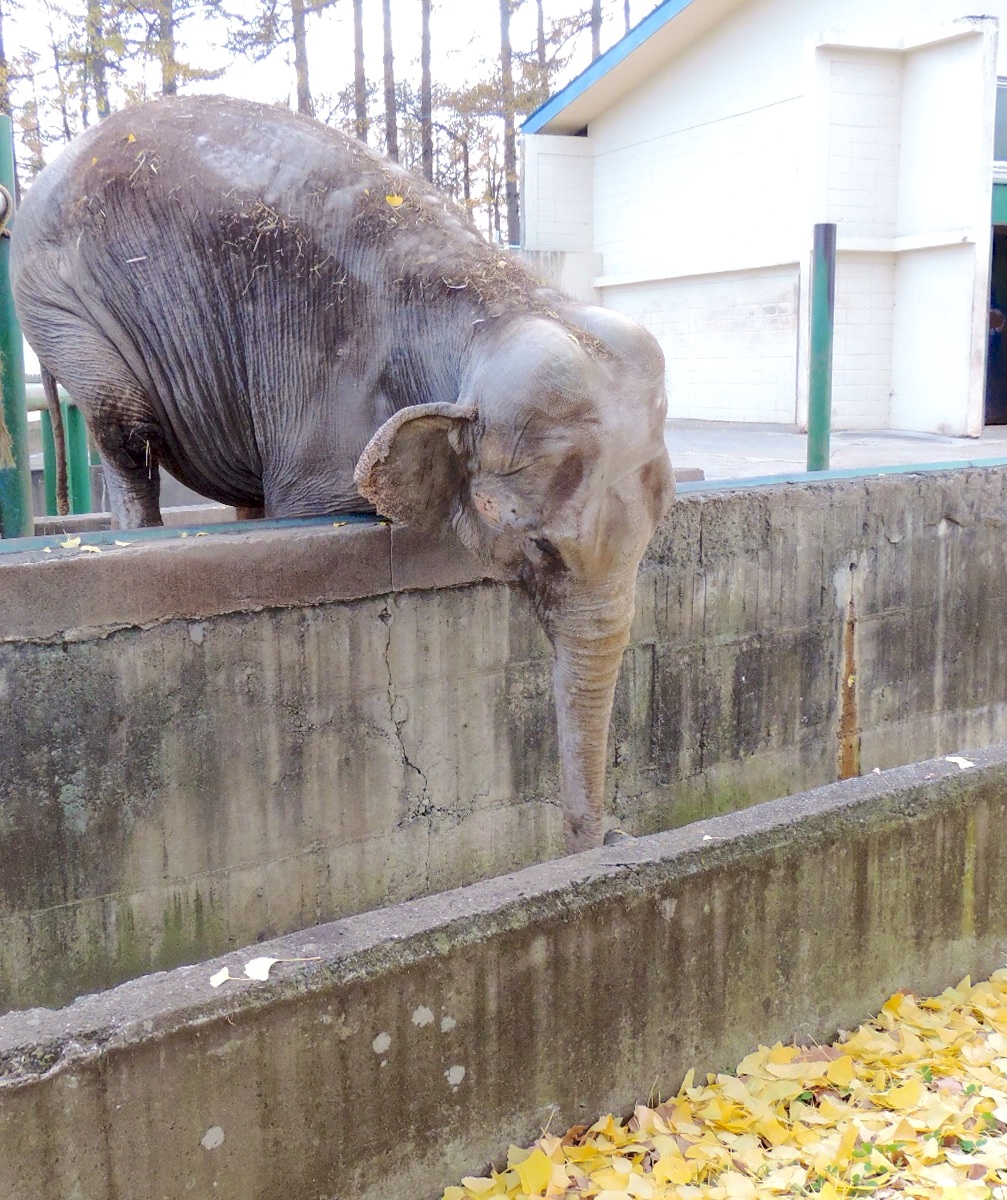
column 391, row 121
column 299, row 39
column 95, row 59
column 595, row 29
column 510, row 137
column 5, row 90
column 278, row 23
column 361, row 122
column 426, row 103
column 156, row 32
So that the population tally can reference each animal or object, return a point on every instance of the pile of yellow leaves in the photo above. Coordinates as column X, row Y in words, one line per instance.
column 913, row 1104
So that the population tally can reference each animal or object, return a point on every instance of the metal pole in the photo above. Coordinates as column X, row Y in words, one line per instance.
column 78, row 467
column 15, row 467
column 48, row 464
column 823, row 306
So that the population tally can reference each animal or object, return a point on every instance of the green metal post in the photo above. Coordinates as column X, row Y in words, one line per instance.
column 48, row 464
column 823, row 306
column 78, row 466
column 15, row 468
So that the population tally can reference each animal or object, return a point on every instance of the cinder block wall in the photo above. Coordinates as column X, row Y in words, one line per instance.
column 210, row 741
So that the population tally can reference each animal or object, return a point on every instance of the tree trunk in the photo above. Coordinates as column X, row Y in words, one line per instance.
column 5, row 104
column 391, row 121
column 625, row 10
column 166, row 46
column 426, row 102
column 61, row 88
column 96, row 58
column 7, row 110
column 510, row 138
column 542, row 79
column 304, row 104
column 359, row 78
column 595, row 28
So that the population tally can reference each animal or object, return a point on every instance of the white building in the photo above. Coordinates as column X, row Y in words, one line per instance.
column 678, row 179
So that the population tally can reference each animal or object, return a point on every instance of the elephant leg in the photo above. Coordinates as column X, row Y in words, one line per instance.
column 121, row 419
column 134, row 488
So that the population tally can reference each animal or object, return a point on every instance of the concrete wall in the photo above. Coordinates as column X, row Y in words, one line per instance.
column 208, row 741
column 419, row 1041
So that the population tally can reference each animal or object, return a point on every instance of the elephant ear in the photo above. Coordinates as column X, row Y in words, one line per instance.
column 410, row 470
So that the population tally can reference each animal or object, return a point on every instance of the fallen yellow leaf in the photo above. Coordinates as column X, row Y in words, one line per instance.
column 534, row 1173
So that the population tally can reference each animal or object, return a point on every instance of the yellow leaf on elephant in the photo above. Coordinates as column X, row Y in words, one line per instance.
column 131, row 137
column 395, row 201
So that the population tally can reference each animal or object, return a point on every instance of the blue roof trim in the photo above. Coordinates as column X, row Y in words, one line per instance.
column 602, row 65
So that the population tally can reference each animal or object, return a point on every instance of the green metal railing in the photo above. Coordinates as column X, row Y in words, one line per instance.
column 15, row 472
column 823, row 307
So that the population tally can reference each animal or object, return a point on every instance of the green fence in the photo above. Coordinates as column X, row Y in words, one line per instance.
column 80, row 456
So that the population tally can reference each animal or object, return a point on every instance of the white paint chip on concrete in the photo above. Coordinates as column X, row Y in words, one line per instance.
column 213, row 1138
column 381, row 1043
column 447, row 1024
column 197, row 632
column 454, row 1075
column 423, row 1016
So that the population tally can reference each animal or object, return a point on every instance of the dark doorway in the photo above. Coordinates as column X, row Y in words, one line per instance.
column 996, row 356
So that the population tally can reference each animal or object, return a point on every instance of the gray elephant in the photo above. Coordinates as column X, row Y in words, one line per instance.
column 289, row 323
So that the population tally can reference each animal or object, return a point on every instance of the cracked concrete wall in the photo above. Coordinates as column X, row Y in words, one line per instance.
column 409, row 1046
column 204, row 743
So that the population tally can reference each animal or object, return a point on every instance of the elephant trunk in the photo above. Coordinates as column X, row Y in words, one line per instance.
column 589, row 634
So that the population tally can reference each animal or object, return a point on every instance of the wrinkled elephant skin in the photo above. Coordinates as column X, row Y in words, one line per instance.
column 284, row 320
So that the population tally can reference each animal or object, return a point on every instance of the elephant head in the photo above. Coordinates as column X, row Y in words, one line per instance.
column 552, row 469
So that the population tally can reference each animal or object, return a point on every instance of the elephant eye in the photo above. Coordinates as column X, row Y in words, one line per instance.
column 548, row 551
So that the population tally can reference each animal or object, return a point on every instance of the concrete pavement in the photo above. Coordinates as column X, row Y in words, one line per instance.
column 725, row 450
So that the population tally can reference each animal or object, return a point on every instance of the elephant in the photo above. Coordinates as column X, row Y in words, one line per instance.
column 290, row 323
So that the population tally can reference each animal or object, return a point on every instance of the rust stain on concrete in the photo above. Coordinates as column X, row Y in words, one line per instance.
column 849, row 722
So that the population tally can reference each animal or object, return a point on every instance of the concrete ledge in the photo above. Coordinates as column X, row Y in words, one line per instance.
column 194, row 577
column 417, row 1041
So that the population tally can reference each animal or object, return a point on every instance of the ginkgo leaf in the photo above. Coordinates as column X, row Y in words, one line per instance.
column 258, row 968
column 222, row 976
column 534, row 1173
column 92, row 549
column 912, row 1103
column 71, row 543
column 395, row 201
